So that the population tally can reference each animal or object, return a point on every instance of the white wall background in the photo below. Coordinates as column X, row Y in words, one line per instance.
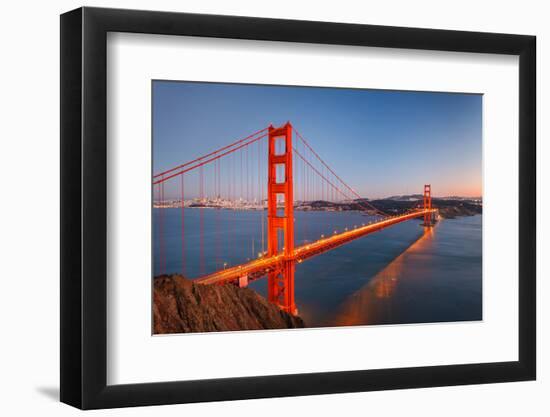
column 29, row 207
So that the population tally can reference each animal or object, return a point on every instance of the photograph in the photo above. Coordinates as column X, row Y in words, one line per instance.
column 291, row 207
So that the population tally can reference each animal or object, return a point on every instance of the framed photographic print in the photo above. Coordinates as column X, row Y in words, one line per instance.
column 308, row 207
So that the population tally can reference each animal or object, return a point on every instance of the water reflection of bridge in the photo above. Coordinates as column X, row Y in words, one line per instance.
column 373, row 302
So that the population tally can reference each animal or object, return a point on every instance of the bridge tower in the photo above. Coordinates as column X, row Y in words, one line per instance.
column 280, row 190
column 427, row 205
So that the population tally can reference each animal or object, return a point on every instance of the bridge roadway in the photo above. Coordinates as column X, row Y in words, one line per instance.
column 261, row 266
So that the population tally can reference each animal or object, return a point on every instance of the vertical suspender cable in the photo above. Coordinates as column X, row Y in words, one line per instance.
column 183, row 224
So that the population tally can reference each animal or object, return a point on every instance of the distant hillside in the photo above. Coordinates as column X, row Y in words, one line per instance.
column 180, row 306
column 448, row 208
column 409, row 197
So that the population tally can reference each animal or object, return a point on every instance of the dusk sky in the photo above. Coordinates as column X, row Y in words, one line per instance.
column 380, row 142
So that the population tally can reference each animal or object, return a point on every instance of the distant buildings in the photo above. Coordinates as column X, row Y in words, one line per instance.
column 216, row 203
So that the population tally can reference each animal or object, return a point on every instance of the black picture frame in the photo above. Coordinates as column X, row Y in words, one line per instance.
column 84, row 207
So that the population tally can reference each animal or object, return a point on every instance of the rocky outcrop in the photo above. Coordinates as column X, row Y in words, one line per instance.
column 180, row 306
column 452, row 212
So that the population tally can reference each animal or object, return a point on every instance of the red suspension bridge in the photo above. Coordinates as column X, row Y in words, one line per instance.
column 274, row 171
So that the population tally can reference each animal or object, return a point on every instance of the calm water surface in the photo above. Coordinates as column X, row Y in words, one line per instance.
column 402, row 274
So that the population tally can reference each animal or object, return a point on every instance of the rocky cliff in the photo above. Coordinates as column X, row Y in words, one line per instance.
column 180, row 306
column 451, row 212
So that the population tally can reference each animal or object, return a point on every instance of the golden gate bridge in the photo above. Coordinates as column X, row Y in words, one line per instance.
column 275, row 170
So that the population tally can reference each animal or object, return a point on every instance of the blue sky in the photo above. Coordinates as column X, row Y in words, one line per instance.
column 380, row 142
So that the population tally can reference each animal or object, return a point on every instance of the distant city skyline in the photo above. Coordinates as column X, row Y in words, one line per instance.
column 382, row 143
